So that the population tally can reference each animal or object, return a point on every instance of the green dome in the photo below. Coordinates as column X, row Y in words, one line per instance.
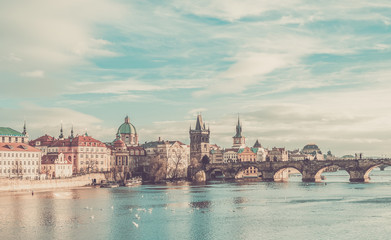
column 126, row 127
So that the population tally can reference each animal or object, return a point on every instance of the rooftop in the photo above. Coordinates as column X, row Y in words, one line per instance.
column 6, row 131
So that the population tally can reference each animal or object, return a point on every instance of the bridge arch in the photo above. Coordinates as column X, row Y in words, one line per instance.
column 369, row 170
column 248, row 170
column 282, row 174
column 329, row 168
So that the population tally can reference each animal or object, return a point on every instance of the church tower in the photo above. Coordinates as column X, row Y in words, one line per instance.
column 238, row 140
column 199, row 142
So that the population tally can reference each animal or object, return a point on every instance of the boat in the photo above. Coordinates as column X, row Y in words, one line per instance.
column 109, row 185
column 133, row 182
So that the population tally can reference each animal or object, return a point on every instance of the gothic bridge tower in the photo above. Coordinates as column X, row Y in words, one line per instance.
column 199, row 143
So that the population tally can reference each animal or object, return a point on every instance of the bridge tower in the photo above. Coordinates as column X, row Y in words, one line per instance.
column 199, row 143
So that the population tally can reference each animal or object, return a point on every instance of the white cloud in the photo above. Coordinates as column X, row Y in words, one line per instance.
column 34, row 74
column 47, row 120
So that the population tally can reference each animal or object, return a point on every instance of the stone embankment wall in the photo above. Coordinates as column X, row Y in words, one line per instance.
column 28, row 185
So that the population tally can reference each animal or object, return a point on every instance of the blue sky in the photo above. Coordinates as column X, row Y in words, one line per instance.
column 298, row 72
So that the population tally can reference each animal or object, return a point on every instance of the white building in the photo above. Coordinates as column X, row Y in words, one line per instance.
column 175, row 153
column 56, row 166
column 19, row 160
column 230, row 155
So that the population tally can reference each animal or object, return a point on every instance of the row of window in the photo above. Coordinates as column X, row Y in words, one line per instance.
column 9, row 170
column 92, row 162
column 3, row 139
column 91, row 156
column 19, row 162
column 58, row 167
column 19, row 154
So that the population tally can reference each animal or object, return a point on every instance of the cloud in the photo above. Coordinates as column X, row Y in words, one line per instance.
column 34, row 74
column 47, row 120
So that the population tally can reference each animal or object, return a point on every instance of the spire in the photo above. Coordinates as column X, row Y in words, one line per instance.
column 257, row 144
column 199, row 125
column 61, row 133
column 238, row 129
column 127, row 119
column 24, row 128
column 72, row 132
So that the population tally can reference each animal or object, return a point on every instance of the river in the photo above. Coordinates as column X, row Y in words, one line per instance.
column 334, row 209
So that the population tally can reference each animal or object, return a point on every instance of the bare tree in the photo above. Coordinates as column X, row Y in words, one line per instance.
column 91, row 166
column 18, row 168
column 158, row 168
column 177, row 165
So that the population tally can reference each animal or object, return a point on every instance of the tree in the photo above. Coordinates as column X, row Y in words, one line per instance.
column 158, row 168
column 177, row 163
column 91, row 166
column 18, row 168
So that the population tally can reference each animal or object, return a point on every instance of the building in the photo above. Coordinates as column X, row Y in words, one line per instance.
column 56, row 166
column 230, row 155
column 312, row 151
column 277, row 154
column 127, row 156
column 216, row 154
column 9, row 135
column 127, row 133
column 296, row 155
column 42, row 143
column 261, row 152
column 247, row 154
column 199, row 142
column 239, row 141
column 85, row 152
column 174, row 154
column 128, row 159
column 19, row 160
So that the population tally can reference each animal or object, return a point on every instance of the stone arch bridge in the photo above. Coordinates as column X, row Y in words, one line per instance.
column 311, row 170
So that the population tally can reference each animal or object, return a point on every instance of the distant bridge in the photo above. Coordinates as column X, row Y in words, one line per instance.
column 311, row 170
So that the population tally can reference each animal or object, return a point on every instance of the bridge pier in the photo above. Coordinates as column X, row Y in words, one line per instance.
column 358, row 176
column 267, row 176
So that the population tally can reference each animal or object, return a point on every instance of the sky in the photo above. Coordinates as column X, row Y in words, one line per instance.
column 296, row 72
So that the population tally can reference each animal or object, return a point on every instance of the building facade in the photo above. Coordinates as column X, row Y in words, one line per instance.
column 86, row 153
column 174, row 154
column 127, row 156
column 19, row 160
column 9, row 135
column 56, row 166
column 278, row 154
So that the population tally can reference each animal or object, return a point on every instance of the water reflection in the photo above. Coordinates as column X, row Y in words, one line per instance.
column 221, row 211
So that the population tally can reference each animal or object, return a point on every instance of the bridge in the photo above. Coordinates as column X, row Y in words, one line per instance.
column 311, row 171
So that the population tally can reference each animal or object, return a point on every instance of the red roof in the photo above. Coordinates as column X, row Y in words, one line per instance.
column 119, row 143
column 17, row 147
column 51, row 158
column 78, row 141
column 45, row 140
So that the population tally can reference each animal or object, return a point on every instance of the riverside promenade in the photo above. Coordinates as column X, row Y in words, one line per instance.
column 11, row 185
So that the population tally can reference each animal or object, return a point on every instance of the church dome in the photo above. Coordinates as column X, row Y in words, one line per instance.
column 127, row 127
column 311, row 148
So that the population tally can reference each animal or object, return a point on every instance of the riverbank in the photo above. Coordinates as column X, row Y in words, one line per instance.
column 15, row 185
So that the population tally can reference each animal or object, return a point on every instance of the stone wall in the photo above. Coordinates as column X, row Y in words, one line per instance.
column 28, row 185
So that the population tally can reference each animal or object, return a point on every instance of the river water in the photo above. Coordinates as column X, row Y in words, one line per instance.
column 335, row 209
